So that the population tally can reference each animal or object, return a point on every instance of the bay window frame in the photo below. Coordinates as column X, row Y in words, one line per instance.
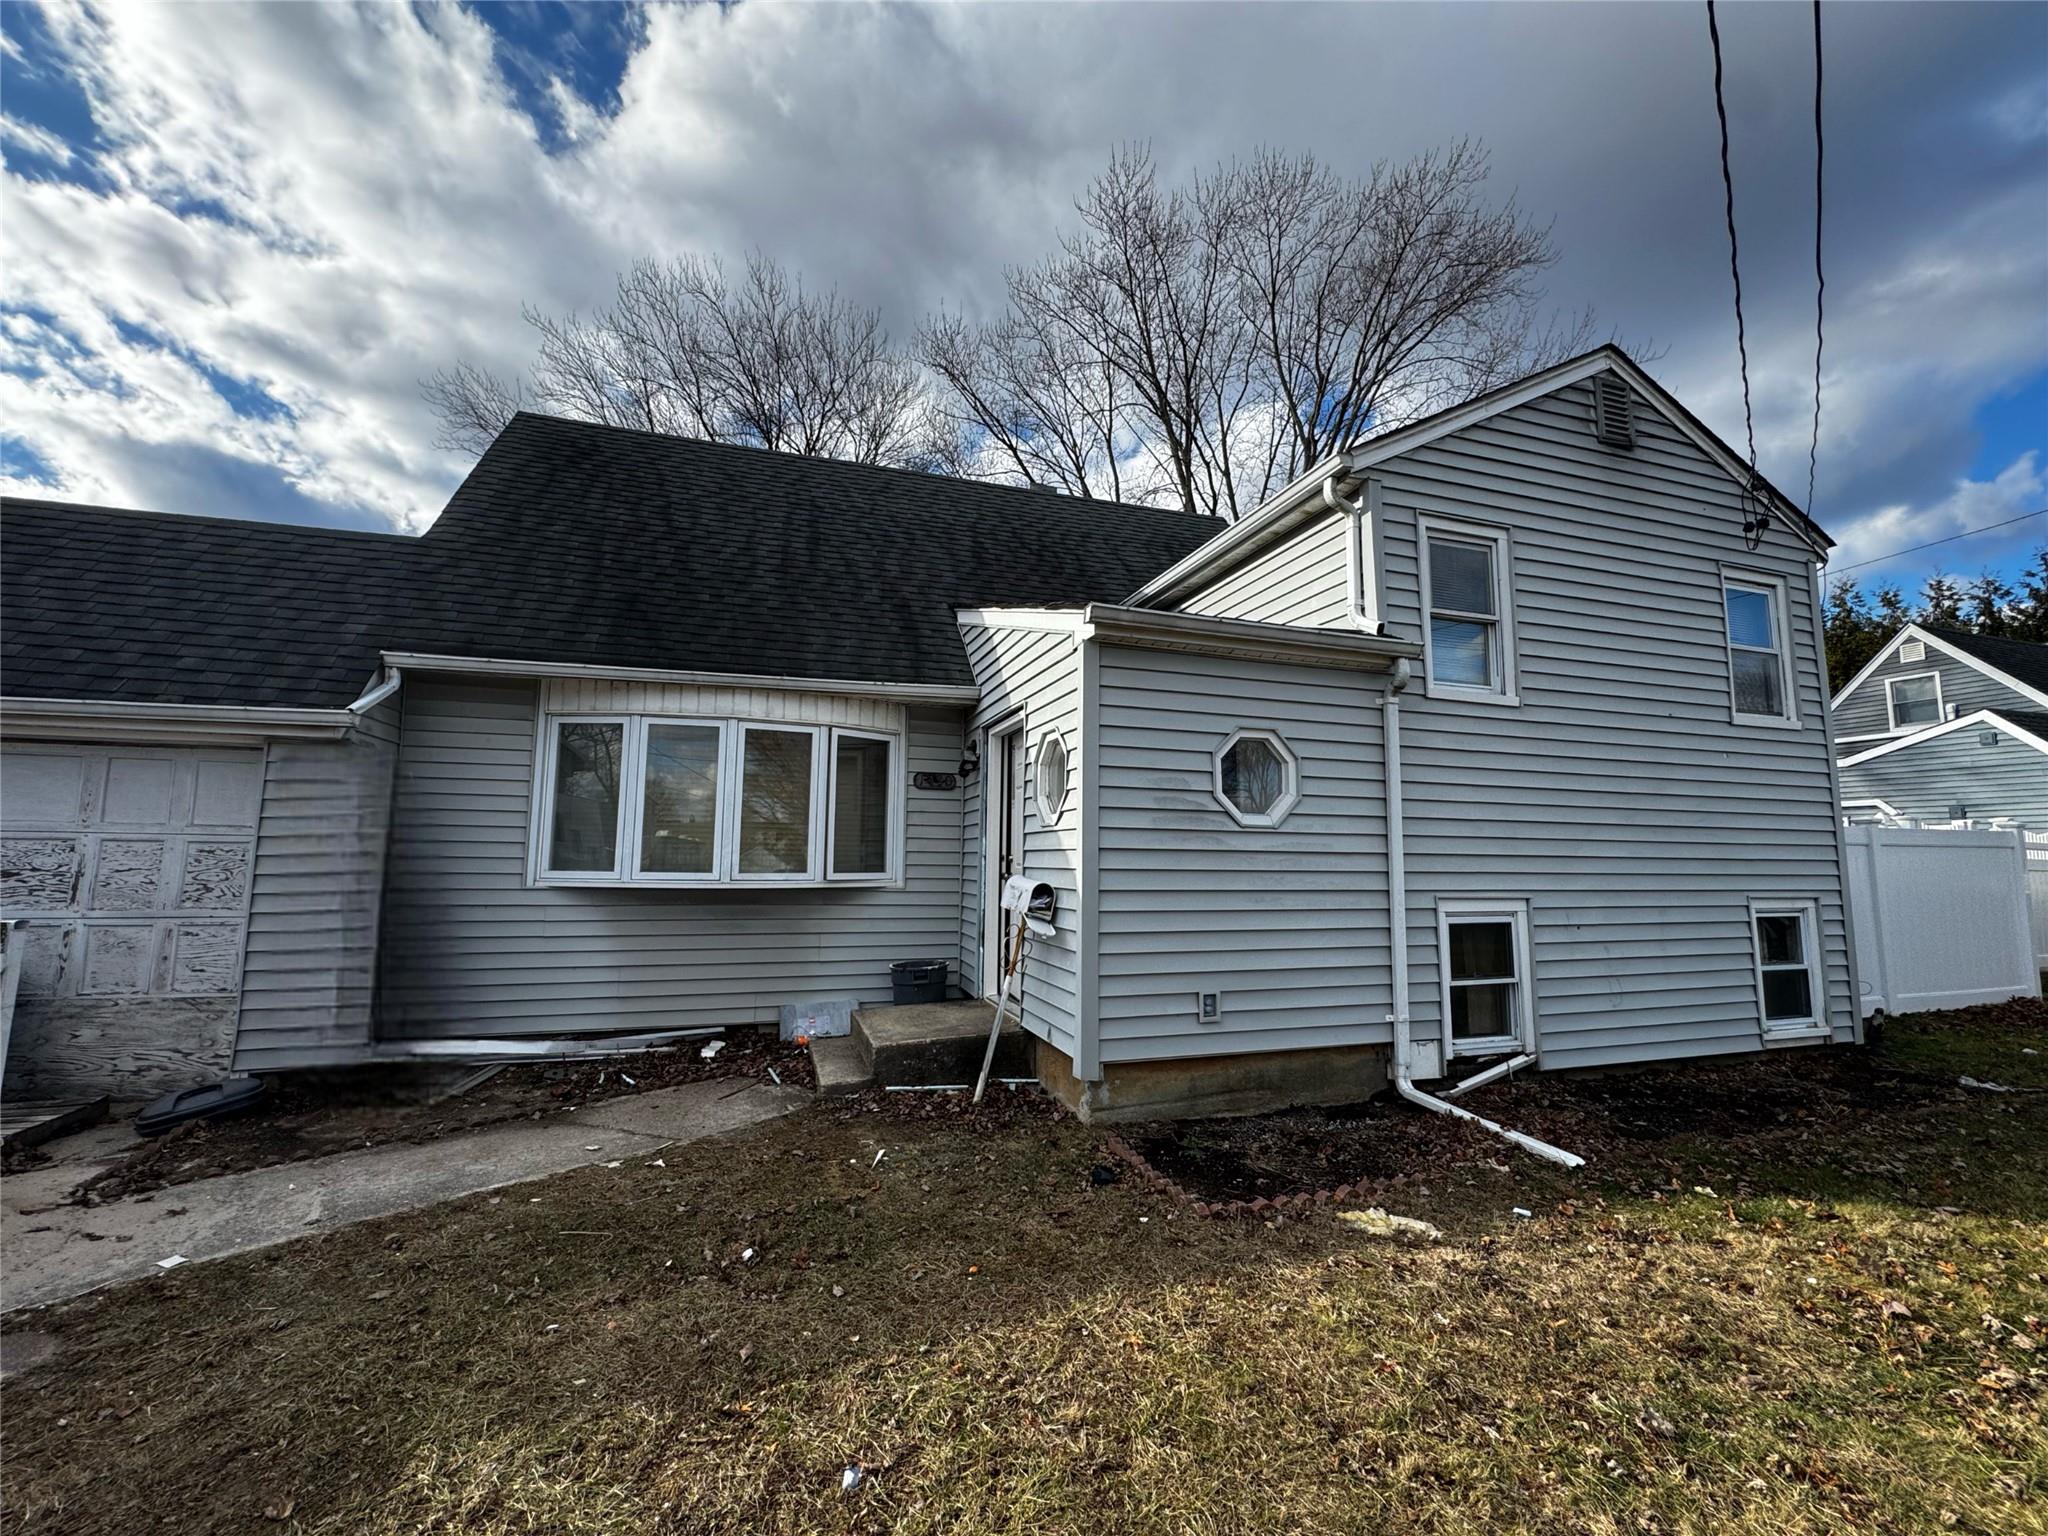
column 892, row 852
column 725, row 874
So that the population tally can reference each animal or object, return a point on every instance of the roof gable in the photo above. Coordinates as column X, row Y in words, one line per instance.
column 1307, row 497
column 2023, row 726
column 2016, row 664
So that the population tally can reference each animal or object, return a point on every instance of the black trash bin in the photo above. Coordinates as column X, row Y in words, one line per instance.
column 918, row 981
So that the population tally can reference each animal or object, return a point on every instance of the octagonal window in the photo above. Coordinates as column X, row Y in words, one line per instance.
column 1256, row 777
column 1050, row 771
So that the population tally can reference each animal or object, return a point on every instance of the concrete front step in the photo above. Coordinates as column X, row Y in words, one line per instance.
column 840, row 1068
column 925, row 1044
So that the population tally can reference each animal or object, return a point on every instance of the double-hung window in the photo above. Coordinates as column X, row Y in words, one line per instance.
column 1759, row 645
column 1483, row 964
column 1787, row 969
column 1913, row 700
column 664, row 801
column 1466, row 589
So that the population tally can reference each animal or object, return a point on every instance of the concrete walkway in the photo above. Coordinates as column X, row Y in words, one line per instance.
column 54, row 1254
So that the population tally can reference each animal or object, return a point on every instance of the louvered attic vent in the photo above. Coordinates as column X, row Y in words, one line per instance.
column 1913, row 650
column 1614, row 411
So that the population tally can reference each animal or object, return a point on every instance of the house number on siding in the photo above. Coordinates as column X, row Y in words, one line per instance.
column 935, row 781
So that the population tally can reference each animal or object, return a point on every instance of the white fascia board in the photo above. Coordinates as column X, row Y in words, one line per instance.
column 491, row 666
column 1270, row 517
column 1053, row 620
column 128, row 720
column 1982, row 718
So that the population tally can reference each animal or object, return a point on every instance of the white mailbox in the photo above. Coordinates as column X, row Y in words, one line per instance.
column 1035, row 901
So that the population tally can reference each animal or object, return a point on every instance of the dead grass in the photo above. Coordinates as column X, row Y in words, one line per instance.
column 1809, row 1327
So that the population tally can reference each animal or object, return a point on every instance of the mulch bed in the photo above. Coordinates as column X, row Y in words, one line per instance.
column 307, row 1118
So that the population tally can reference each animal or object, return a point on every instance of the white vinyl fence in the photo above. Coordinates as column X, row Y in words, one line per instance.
column 1942, row 916
column 2037, row 892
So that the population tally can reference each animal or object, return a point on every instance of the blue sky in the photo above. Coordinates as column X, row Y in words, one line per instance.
column 233, row 240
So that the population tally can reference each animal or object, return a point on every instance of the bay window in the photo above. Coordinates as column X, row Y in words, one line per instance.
column 652, row 800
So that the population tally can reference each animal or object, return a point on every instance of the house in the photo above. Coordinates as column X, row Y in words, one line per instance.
column 1499, row 738
column 1943, row 726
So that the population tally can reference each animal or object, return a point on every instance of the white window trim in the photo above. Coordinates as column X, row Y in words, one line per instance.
column 896, row 808
column 1289, row 797
column 636, row 810
column 732, row 751
column 1512, row 910
column 542, row 823
column 1454, row 528
column 1781, row 623
column 1808, row 913
column 821, row 791
column 1050, row 808
column 1891, row 705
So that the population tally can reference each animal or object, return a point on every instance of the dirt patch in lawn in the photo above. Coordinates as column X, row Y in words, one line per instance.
column 1775, row 1102
column 306, row 1118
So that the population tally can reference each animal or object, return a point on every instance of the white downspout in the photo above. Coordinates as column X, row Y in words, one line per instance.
column 1397, row 920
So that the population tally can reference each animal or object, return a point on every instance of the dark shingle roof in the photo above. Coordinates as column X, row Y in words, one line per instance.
column 567, row 542
column 2021, row 660
column 2031, row 720
column 102, row 603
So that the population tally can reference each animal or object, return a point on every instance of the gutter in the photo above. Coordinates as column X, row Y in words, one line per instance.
column 377, row 693
column 494, row 666
column 130, row 720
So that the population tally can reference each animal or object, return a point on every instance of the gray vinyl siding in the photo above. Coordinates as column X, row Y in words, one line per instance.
column 309, row 972
column 1038, row 672
column 471, row 950
column 1288, row 923
column 1964, row 690
column 1926, row 782
column 1618, row 799
column 1301, row 580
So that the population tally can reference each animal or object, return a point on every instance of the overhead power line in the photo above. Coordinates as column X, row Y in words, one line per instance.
column 1914, row 549
column 1734, row 256
column 1820, row 281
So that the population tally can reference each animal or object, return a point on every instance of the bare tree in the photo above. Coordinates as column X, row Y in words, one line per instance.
column 684, row 350
column 1257, row 319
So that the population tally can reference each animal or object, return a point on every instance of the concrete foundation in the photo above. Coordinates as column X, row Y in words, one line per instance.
column 1251, row 1084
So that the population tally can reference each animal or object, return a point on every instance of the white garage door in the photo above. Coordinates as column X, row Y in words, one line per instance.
column 131, row 867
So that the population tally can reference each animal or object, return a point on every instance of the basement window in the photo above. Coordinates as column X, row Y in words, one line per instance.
column 1787, row 976
column 660, row 801
column 1483, row 966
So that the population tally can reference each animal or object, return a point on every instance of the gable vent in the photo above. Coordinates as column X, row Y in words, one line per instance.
column 1614, row 411
column 1913, row 650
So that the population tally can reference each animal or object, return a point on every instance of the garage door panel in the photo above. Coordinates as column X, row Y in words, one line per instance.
column 128, row 875
column 45, row 947
column 120, row 960
column 140, row 791
column 216, row 875
column 43, row 789
column 226, row 792
column 206, row 958
column 39, row 874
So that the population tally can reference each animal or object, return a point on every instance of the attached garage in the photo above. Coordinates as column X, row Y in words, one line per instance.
column 129, row 868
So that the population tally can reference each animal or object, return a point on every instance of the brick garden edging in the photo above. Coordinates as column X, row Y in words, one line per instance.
column 1261, row 1206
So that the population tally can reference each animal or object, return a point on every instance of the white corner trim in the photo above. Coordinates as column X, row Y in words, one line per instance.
column 122, row 719
column 1982, row 718
column 931, row 693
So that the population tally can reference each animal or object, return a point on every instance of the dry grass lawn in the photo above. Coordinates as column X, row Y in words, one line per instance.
column 1825, row 1323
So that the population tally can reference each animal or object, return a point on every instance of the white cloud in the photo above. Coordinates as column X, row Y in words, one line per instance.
column 328, row 204
column 34, row 140
column 1973, row 506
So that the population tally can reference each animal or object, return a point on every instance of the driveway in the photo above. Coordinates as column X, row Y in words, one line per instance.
column 56, row 1251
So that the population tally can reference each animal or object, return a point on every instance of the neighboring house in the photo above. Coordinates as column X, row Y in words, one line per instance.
column 1501, row 735
column 1946, row 726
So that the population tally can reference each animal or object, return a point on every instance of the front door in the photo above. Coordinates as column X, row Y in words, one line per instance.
column 1005, row 842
